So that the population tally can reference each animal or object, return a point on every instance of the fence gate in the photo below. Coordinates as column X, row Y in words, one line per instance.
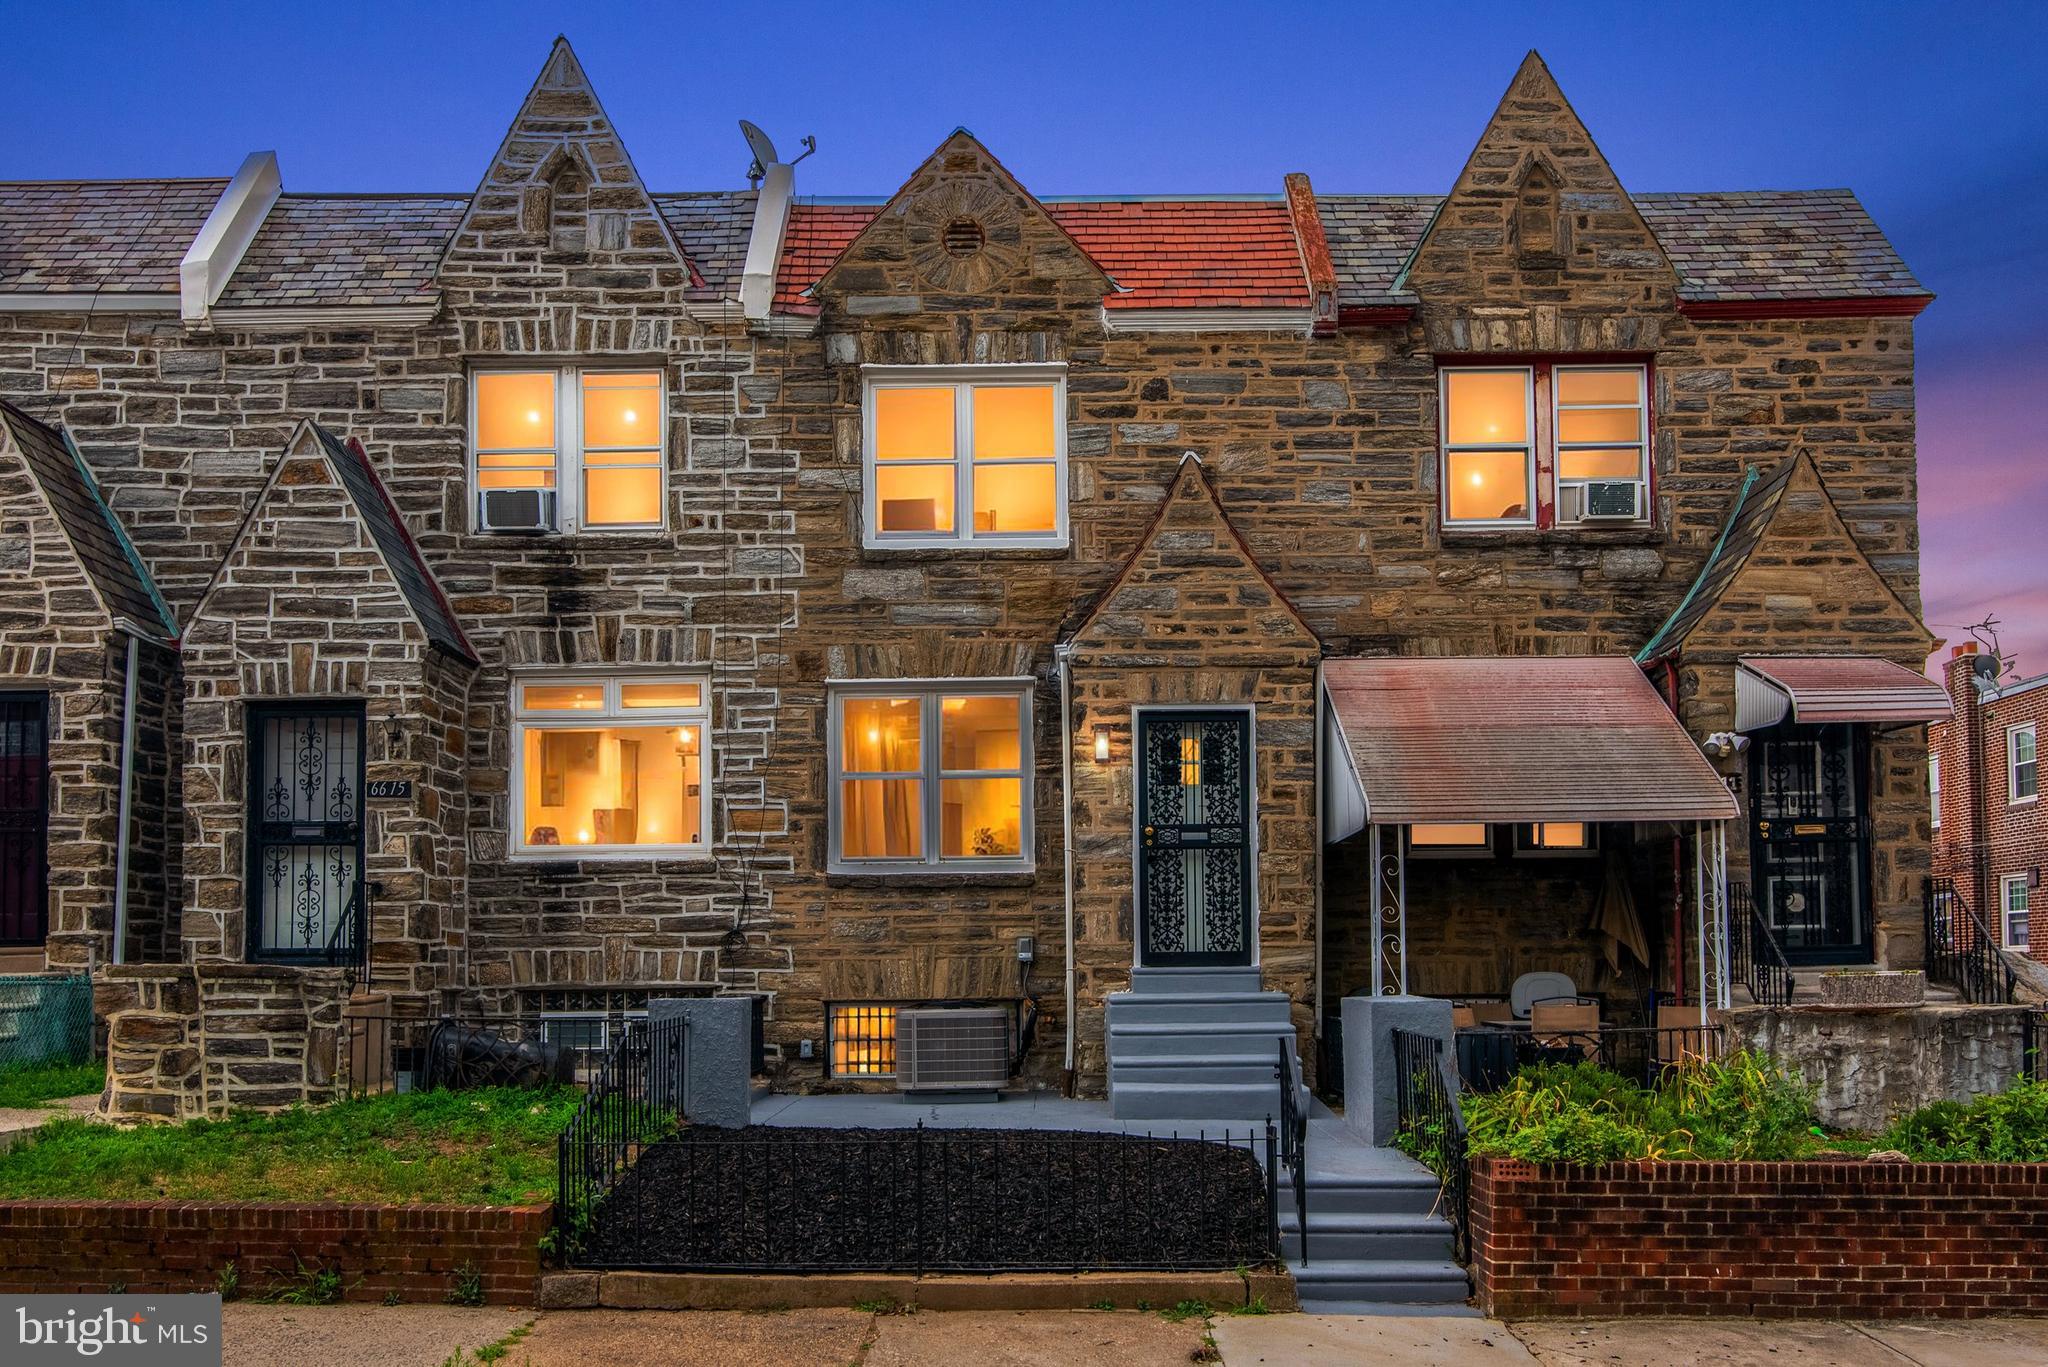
column 305, row 830
column 24, row 818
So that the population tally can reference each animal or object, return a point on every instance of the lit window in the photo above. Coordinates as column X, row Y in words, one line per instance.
column 975, row 455
column 2022, row 769
column 931, row 774
column 1465, row 837
column 1556, row 837
column 1934, row 787
column 2015, row 902
column 863, row 1041
column 611, row 766
column 568, row 450
column 1595, row 445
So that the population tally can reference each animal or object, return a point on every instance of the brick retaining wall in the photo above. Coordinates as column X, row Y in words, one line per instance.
column 1823, row 1240
column 413, row 1251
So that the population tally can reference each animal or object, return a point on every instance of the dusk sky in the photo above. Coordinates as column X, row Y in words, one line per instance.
column 1935, row 115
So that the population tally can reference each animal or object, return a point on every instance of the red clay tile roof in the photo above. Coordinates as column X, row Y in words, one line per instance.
column 120, row 236
column 1191, row 253
column 1525, row 738
column 345, row 251
column 812, row 241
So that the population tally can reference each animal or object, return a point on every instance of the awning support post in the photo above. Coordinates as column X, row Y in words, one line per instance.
column 1699, row 912
column 1389, row 915
column 1721, row 958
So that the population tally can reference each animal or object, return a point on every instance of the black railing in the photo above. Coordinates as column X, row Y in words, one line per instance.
column 1432, row 1127
column 1294, row 1136
column 1756, row 958
column 1962, row 953
column 348, row 945
column 2033, row 1041
column 771, row 1199
column 635, row 1099
column 1488, row 1057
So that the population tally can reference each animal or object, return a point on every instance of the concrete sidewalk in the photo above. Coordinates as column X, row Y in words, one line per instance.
column 427, row 1335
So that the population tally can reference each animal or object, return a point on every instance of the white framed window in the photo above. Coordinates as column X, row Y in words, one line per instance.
column 964, row 456
column 930, row 774
column 2012, row 902
column 2022, row 766
column 1934, row 788
column 568, row 449
column 1488, row 421
column 1556, row 839
column 1600, row 416
column 1449, row 839
column 611, row 766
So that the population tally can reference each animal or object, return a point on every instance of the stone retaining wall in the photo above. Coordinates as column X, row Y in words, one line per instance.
column 1776, row 1240
column 411, row 1252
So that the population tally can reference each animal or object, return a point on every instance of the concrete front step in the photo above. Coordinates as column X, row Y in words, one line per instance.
column 1192, row 1100
column 1365, row 1238
column 1153, row 1040
column 1351, row 1195
column 1246, row 1070
column 1321, row 1283
column 1197, row 1009
column 1196, row 981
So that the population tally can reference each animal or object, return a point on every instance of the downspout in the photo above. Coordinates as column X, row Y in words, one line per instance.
column 1316, row 1024
column 1063, row 654
column 127, row 770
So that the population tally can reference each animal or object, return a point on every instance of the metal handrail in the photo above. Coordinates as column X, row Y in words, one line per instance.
column 348, row 947
column 1758, row 958
column 1962, row 953
column 1294, row 1136
column 1428, row 1114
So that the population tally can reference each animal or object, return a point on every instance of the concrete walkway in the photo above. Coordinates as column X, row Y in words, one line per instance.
column 427, row 1335
column 16, row 1122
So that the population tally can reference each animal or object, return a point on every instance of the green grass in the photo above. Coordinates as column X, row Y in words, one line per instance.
column 31, row 1084
column 488, row 1147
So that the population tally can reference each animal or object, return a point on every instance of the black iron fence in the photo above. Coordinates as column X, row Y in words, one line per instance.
column 1962, row 953
column 767, row 1199
column 1294, row 1135
column 1432, row 1127
column 2034, row 1046
column 1488, row 1057
column 635, row 1098
column 1755, row 957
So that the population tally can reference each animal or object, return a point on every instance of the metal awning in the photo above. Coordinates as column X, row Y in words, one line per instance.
column 1831, row 688
column 1511, row 739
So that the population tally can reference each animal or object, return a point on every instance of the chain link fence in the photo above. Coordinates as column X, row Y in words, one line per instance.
column 45, row 1020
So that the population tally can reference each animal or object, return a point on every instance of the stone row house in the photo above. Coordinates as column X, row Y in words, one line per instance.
column 1984, row 787
column 1152, row 617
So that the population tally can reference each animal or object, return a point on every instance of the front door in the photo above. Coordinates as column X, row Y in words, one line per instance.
column 24, row 818
column 1810, row 840
column 1194, row 838
column 305, row 829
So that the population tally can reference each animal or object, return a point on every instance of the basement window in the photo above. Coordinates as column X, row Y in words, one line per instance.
column 927, row 776
column 861, row 1040
column 567, row 450
column 973, row 455
column 611, row 767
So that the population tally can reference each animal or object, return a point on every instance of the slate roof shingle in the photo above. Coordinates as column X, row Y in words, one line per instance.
column 346, row 251
column 713, row 227
column 89, row 524
column 120, row 236
column 1371, row 238
column 1776, row 244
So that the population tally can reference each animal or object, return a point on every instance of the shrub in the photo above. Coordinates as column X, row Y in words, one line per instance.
column 2005, row 1127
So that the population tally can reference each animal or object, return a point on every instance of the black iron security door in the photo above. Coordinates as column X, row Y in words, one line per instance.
column 305, row 830
column 1194, row 838
column 1810, row 840
column 24, row 818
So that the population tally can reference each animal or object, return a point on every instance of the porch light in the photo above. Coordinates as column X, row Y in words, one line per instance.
column 1102, row 745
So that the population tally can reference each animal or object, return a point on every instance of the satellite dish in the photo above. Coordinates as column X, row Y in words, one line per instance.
column 761, row 147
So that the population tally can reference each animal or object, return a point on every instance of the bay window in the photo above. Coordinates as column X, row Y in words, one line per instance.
column 972, row 455
column 930, row 775
column 1544, row 445
column 567, row 450
column 611, row 766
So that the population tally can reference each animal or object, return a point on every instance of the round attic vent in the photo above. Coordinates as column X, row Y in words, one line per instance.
column 964, row 237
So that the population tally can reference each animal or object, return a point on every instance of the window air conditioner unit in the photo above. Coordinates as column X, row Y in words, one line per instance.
column 518, row 510
column 1613, row 500
column 952, row 1049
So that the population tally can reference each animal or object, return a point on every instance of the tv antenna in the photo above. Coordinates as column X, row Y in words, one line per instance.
column 764, row 151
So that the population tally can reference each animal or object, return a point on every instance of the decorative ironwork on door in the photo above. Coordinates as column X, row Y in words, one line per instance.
column 24, row 818
column 1194, row 838
column 306, row 832
column 1810, row 831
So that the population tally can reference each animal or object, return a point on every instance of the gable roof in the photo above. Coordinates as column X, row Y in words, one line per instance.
column 119, row 236
column 1755, row 504
column 97, row 538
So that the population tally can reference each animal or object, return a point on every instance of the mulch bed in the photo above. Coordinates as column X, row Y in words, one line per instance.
column 788, row 1199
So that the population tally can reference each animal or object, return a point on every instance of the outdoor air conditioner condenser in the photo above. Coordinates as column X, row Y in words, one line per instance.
column 952, row 1049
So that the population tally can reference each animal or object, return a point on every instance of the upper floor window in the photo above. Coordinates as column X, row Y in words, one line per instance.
column 611, row 765
column 931, row 774
column 1544, row 445
column 974, row 455
column 1934, row 787
column 2022, row 770
column 566, row 450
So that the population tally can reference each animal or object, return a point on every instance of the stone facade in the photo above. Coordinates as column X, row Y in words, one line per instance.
column 1309, row 526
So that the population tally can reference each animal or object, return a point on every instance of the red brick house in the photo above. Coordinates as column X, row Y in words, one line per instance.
column 1154, row 617
column 1990, row 831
